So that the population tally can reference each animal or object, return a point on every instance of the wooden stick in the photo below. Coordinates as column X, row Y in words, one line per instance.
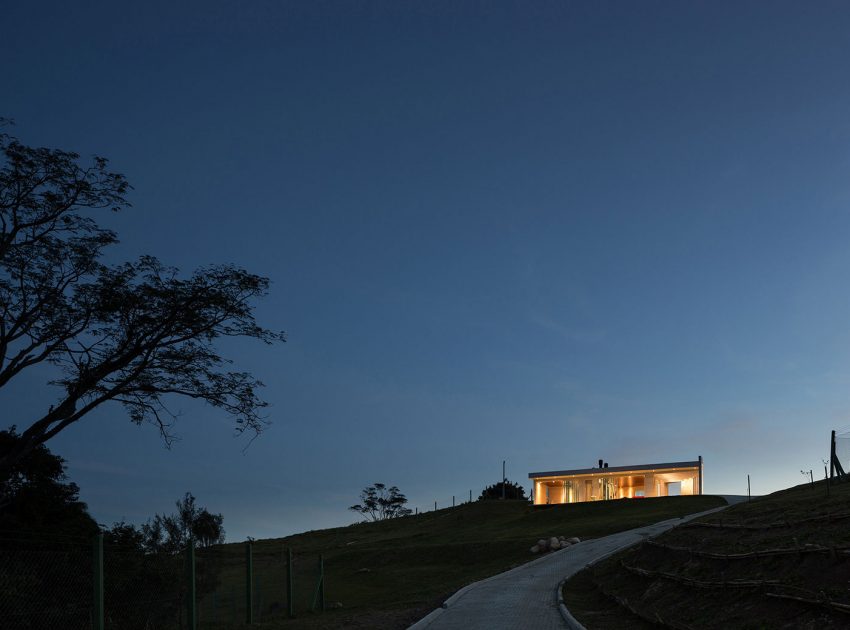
column 699, row 583
column 752, row 554
column 786, row 523
column 818, row 602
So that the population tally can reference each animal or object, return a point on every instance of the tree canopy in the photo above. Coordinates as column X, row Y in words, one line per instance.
column 511, row 490
column 36, row 496
column 170, row 533
column 134, row 333
column 151, row 569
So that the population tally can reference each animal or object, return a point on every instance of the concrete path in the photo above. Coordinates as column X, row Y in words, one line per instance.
column 526, row 597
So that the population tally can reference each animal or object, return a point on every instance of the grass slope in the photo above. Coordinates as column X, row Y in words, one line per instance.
column 388, row 574
column 798, row 533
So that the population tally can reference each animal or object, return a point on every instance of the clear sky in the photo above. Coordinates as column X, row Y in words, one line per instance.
column 546, row 232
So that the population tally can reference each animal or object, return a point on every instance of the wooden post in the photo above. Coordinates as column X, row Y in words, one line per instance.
column 700, row 474
column 503, row 479
column 748, row 487
column 832, row 455
column 826, row 479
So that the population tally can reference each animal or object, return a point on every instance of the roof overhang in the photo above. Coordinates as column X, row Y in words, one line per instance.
column 614, row 469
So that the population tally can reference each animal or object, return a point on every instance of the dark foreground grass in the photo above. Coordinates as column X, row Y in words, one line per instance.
column 389, row 574
column 677, row 586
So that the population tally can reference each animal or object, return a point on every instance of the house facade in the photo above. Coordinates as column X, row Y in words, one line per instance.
column 617, row 482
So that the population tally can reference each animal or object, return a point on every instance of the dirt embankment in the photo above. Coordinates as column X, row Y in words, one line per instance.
column 782, row 561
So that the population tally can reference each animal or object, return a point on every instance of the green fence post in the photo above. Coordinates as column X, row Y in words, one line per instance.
column 319, row 595
column 98, row 581
column 258, row 590
column 191, row 610
column 321, row 583
column 290, row 587
column 249, row 582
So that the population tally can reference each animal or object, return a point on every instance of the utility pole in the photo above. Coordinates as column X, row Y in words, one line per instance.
column 748, row 488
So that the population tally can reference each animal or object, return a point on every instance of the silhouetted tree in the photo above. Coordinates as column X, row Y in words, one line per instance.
column 170, row 533
column 147, row 564
column 512, row 491
column 45, row 539
column 36, row 496
column 134, row 333
column 379, row 503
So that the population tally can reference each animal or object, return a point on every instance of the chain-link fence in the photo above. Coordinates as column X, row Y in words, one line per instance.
column 47, row 584
column 143, row 591
column 281, row 583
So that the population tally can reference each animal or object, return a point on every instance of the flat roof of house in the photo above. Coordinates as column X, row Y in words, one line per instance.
column 611, row 469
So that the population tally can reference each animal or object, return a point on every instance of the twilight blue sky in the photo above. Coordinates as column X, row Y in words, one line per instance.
column 546, row 232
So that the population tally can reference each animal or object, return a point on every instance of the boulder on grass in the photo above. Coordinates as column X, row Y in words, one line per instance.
column 543, row 543
column 555, row 546
column 554, row 543
column 574, row 540
column 535, row 549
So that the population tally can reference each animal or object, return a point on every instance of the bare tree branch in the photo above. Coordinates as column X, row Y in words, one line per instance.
column 135, row 333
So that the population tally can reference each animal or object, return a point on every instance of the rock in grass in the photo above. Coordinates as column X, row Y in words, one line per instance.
column 535, row 549
column 554, row 543
column 543, row 543
column 574, row 540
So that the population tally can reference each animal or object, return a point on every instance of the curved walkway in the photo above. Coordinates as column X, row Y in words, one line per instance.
column 526, row 597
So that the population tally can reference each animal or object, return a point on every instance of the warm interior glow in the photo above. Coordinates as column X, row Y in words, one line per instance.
column 601, row 485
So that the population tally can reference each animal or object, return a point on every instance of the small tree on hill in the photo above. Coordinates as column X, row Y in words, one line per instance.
column 380, row 503
column 512, row 491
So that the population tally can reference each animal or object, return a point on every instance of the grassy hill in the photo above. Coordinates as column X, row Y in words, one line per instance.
column 781, row 561
column 388, row 574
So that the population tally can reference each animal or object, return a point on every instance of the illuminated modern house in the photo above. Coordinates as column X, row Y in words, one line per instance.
column 617, row 482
